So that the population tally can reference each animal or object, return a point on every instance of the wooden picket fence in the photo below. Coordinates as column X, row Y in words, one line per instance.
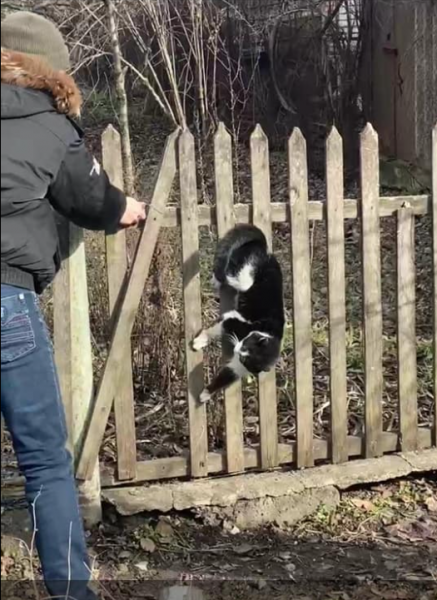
column 125, row 292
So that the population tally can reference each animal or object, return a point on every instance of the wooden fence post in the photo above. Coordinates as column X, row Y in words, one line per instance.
column 406, row 318
column 434, row 221
column 192, row 304
column 110, row 380
column 302, row 308
column 225, row 222
column 372, row 289
column 337, row 296
column 117, row 264
column 74, row 357
column 62, row 326
column 262, row 218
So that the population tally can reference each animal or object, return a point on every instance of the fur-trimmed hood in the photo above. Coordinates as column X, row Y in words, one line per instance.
column 33, row 73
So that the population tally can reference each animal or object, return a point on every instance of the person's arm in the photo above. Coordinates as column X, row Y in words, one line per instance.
column 83, row 194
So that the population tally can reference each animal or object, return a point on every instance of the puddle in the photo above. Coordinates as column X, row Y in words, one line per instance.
column 182, row 593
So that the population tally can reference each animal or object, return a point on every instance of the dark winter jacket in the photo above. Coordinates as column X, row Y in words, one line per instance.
column 45, row 167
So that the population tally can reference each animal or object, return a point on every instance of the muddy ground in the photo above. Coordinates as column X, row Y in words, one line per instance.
column 380, row 543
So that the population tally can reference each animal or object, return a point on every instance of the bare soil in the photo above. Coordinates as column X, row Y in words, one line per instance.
column 380, row 543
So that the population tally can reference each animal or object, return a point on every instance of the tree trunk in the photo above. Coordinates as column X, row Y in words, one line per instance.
column 123, row 107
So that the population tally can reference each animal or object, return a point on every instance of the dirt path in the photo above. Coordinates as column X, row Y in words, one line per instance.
column 380, row 543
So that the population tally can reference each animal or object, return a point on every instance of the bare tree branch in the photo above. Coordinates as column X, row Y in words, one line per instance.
column 123, row 107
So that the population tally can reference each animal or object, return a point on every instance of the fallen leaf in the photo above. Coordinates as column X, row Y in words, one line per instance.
column 285, row 556
column 291, row 568
column 387, row 493
column 244, row 549
column 143, row 566
column 414, row 531
column 7, row 563
column 148, row 545
column 123, row 569
column 164, row 529
column 363, row 504
column 431, row 504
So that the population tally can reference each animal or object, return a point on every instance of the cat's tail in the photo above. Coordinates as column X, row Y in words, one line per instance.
column 247, row 234
column 239, row 255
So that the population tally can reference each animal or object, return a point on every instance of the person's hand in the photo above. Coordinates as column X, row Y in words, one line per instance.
column 134, row 214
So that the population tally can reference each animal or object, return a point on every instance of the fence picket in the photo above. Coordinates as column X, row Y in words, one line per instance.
column 126, row 292
column 123, row 325
column 407, row 352
column 225, row 222
column 192, row 304
column 372, row 290
column 116, row 261
column 337, row 295
column 434, row 220
column 302, row 317
column 262, row 218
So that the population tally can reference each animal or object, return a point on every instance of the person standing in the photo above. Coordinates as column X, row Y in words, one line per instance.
column 45, row 167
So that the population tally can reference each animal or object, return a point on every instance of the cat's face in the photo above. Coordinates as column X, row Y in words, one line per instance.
column 258, row 352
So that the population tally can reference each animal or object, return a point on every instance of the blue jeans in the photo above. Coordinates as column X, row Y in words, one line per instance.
column 34, row 414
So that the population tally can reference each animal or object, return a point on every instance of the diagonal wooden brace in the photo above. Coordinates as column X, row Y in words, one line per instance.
column 123, row 325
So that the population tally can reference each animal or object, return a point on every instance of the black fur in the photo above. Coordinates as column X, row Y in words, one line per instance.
column 256, row 325
column 241, row 244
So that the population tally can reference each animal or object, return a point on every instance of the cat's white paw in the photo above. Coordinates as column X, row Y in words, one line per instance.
column 200, row 342
column 205, row 397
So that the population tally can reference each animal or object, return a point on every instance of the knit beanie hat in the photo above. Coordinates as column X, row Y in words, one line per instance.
column 32, row 34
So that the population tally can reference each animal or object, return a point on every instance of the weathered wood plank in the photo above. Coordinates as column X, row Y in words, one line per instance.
column 74, row 339
column 372, row 289
column 110, row 381
column 434, row 220
column 225, row 222
column 421, row 205
column 62, row 333
column 262, row 218
column 407, row 350
column 302, row 309
column 178, row 468
column 117, row 265
column 192, row 305
column 337, row 296
column 261, row 189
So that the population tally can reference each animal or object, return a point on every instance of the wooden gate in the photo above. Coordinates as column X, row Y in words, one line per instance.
column 126, row 291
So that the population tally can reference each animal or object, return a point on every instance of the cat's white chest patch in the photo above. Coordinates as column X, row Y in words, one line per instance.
column 244, row 280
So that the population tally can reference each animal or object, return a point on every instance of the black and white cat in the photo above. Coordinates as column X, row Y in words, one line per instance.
column 255, row 327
